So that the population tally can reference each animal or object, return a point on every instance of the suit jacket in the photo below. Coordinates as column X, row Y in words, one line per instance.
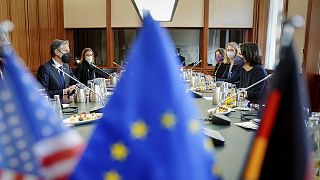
column 85, row 72
column 49, row 78
column 235, row 72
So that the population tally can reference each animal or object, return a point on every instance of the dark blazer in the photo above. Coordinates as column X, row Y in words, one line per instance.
column 182, row 60
column 255, row 94
column 85, row 72
column 49, row 78
column 219, row 70
column 235, row 71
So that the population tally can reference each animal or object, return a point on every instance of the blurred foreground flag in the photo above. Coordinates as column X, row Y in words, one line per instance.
column 280, row 148
column 149, row 130
column 34, row 143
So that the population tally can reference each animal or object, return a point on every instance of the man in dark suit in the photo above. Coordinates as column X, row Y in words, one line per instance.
column 181, row 58
column 54, row 81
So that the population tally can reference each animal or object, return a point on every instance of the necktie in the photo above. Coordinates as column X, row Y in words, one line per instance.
column 61, row 76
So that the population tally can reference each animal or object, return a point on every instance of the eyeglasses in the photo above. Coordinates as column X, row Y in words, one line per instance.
column 62, row 52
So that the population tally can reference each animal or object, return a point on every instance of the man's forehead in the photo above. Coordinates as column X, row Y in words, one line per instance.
column 64, row 47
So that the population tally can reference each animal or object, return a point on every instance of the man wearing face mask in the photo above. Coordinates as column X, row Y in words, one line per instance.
column 54, row 81
column 85, row 70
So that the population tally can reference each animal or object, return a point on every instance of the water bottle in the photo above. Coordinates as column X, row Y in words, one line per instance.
column 57, row 106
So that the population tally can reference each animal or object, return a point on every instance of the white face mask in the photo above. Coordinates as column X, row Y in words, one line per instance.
column 89, row 59
column 231, row 54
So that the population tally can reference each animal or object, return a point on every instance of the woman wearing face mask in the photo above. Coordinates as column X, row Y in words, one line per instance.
column 252, row 72
column 235, row 63
column 85, row 69
column 220, row 66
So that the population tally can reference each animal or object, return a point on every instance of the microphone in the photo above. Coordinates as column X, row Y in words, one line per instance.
column 100, row 69
column 118, row 65
column 220, row 119
column 196, row 64
column 79, row 83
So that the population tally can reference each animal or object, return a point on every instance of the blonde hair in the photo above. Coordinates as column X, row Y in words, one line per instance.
column 235, row 46
column 84, row 51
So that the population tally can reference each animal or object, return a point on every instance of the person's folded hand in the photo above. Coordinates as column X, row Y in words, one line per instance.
column 71, row 89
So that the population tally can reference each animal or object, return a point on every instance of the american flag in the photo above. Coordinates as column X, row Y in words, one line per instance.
column 34, row 144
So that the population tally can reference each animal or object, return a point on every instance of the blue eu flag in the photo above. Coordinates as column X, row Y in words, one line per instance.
column 149, row 130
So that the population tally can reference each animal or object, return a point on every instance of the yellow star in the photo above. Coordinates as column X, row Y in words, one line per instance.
column 194, row 126
column 119, row 151
column 112, row 175
column 216, row 170
column 139, row 129
column 208, row 144
column 168, row 120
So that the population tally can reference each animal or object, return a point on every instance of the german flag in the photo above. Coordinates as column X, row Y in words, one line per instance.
column 280, row 148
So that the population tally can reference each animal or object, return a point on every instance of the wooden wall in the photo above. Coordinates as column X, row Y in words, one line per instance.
column 312, row 52
column 37, row 23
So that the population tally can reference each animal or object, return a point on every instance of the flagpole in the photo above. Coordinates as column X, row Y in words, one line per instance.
column 288, row 30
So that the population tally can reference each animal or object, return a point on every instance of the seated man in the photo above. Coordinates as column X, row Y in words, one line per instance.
column 54, row 81
column 181, row 58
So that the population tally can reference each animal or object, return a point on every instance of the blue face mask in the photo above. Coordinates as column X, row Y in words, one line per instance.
column 231, row 54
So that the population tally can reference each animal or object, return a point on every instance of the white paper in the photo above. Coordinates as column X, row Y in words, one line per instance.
column 208, row 98
column 248, row 125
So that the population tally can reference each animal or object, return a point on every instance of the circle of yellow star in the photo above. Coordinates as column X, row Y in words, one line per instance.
column 119, row 151
column 112, row 175
column 139, row 130
column 216, row 170
column 194, row 126
column 168, row 120
column 208, row 144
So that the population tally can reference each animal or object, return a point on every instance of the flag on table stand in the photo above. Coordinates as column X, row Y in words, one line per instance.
column 280, row 148
column 148, row 130
column 34, row 144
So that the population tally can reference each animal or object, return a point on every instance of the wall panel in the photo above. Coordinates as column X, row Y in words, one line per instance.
column 45, row 35
column 84, row 13
column 36, row 24
column 189, row 13
column 4, row 13
column 231, row 13
column 33, row 33
column 20, row 33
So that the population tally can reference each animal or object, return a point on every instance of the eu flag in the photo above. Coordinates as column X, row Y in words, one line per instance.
column 34, row 144
column 148, row 130
column 280, row 148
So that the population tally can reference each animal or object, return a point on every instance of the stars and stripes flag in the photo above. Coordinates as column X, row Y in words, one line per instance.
column 149, row 129
column 34, row 144
column 280, row 148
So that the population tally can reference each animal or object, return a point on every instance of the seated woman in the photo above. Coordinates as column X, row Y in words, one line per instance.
column 220, row 66
column 252, row 72
column 85, row 70
column 234, row 62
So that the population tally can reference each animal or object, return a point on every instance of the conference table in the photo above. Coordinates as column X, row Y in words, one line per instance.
column 230, row 157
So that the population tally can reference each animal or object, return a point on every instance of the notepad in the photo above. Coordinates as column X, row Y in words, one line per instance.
column 208, row 98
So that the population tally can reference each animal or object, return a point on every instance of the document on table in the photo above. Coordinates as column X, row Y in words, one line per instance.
column 248, row 125
column 208, row 98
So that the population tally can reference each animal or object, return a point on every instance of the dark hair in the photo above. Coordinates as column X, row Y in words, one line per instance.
column 221, row 51
column 56, row 44
column 250, row 52
column 84, row 51
column 178, row 50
